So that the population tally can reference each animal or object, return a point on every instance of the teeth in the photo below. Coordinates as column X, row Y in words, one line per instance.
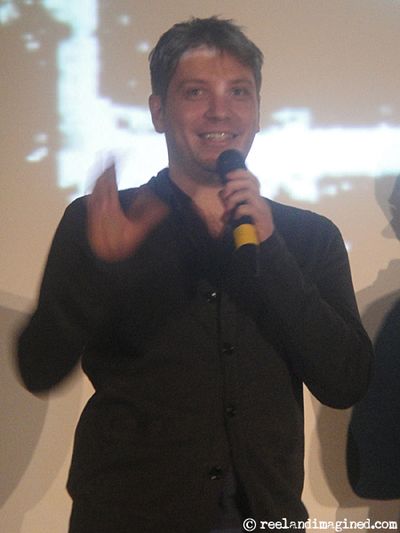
column 217, row 135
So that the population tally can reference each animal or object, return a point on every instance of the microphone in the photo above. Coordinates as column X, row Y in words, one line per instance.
column 244, row 231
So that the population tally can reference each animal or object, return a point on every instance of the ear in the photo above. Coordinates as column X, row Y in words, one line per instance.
column 157, row 113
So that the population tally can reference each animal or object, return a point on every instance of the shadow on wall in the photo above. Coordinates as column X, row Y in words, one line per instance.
column 22, row 416
column 380, row 306
column 369, row 435
column 36, row 431
column 373, row 452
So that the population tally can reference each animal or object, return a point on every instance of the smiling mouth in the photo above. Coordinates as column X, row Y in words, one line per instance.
column 218, row 136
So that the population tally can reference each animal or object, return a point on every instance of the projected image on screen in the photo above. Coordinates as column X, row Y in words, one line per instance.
column 101, row 90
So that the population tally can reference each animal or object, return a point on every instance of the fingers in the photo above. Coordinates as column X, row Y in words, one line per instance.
column 105, row 224
column 242, row 175
column 113, row 234
column 241, row 188
column 241, row 197
column 104, row 196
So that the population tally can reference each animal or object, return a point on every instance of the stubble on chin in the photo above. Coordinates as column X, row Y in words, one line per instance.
column 202, row 172
column 207, row 174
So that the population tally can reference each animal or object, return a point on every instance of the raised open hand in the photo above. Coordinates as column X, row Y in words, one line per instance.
column 114, row 235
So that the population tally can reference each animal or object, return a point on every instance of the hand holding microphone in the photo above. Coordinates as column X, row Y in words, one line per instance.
column 250, row 214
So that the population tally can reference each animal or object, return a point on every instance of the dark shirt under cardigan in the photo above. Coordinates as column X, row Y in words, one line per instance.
column 198, row 366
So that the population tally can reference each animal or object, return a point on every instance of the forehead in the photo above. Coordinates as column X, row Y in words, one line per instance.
column 204, row 62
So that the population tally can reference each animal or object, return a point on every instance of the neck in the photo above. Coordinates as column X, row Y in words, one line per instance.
column 196, row 189
column 206, row 201
column 191, row 180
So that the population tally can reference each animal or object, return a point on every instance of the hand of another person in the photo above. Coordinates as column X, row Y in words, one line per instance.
column 241, row 197
column 113, row 234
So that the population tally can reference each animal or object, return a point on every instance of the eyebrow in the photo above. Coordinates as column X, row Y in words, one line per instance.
column 201, row 81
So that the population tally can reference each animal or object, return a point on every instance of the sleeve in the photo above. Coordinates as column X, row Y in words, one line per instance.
column 74, row 302
column 313, row 301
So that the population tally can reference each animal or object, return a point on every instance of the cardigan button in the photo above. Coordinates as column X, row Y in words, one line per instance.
column 211, row 297
column 230, row 410
column 227, row 348
column 215, row 473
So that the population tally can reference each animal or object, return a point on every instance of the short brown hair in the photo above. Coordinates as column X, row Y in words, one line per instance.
column 212, row 32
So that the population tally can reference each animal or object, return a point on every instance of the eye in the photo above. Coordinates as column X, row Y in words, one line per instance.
column 193, row 93
column 241, row 92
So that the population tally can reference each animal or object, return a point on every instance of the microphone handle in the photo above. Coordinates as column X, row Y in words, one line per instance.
column 244, row 231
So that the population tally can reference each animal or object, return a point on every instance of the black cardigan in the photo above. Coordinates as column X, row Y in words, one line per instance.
column 196, row 363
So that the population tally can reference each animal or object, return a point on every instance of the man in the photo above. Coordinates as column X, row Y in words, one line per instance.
column 198, row 364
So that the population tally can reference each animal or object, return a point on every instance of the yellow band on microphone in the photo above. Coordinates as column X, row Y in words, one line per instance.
column 245, row 234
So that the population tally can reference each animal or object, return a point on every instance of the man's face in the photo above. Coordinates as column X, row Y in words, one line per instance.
column 212, row 104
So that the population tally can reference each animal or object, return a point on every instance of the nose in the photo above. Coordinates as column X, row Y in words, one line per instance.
column 218, row 107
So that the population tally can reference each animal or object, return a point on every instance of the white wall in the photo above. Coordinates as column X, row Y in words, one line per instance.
column 336, row 58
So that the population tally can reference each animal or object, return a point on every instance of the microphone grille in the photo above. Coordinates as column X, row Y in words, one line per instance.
column 229, row 160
